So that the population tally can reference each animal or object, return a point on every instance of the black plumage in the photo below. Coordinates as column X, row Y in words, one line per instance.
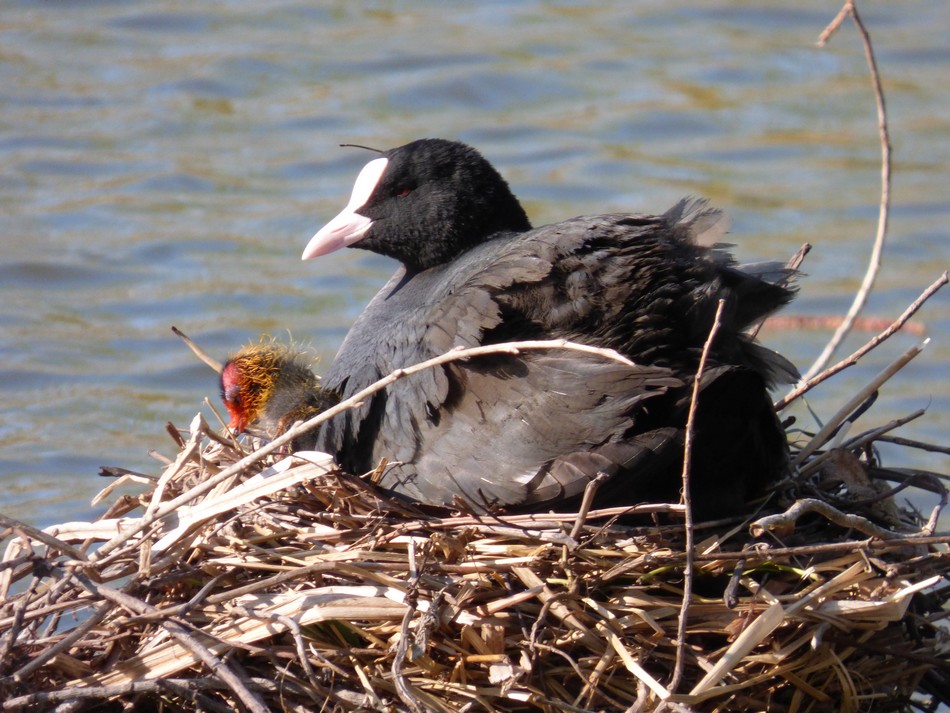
column 532, row 429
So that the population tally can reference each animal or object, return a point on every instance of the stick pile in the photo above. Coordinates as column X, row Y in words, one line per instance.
column 288, row 585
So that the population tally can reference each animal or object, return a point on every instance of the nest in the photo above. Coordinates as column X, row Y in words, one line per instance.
column 258, row 582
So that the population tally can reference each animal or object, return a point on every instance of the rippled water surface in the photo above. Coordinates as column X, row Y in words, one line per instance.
column 164, row 163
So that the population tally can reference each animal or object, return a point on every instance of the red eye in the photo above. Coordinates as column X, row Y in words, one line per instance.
column 403, row 192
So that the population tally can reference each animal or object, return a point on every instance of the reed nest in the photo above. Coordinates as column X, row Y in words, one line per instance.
column 242, row 580
column 247, row 580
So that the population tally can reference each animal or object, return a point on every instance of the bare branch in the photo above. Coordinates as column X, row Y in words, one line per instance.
column 278, row 443
column 589, row 492
column 860, row 298
column 896, row 325
column 216, row 665
column 786, row 520
column 829, row 428
column 198, row 351
column 688, row 503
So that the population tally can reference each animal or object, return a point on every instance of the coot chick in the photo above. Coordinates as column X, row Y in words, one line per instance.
column 475, row 272
column 269, row 386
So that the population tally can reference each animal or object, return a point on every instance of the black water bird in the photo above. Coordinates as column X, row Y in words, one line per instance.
column 531, row 430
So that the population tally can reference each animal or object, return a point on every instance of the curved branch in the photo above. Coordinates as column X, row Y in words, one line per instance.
column 456, row 354
column 861, row 297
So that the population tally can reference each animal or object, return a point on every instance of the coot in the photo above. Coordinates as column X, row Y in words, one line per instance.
column 270, row 386
column 475, row 272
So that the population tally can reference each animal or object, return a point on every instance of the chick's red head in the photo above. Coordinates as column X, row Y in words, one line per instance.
column 247, row 382
column 234, row 396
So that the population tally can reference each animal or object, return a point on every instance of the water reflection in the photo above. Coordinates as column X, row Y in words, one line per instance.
column 163, row 165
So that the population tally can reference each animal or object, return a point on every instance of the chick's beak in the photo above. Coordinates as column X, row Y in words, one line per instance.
column 238, row 422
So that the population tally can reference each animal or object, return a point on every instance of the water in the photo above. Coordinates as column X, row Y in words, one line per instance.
column 164, row 163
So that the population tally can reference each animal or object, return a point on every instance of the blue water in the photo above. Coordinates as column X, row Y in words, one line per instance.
column 164, row 163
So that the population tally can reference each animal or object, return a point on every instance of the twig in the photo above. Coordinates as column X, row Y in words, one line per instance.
column 589, row 492
column 177, row 610
column 875, row 433
column 29, row 532
column 794, row 262
column 786, row 520
column 861, row 297
column 688, row 503
column 855, row 401
column 674, row 707
column 9, row 638
column 809, row 384
column 834, row 24
column 931, row 525
column 403, row 689
column 294, row 628
column 860, row 440
column 456, row 354
column 44, row 611
column 767, row 554
column 17, row 562
column 920, row 445
column 302, row 428
column 199, row 352
column 188, row 687
column 65, row 643
column 181, row 634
